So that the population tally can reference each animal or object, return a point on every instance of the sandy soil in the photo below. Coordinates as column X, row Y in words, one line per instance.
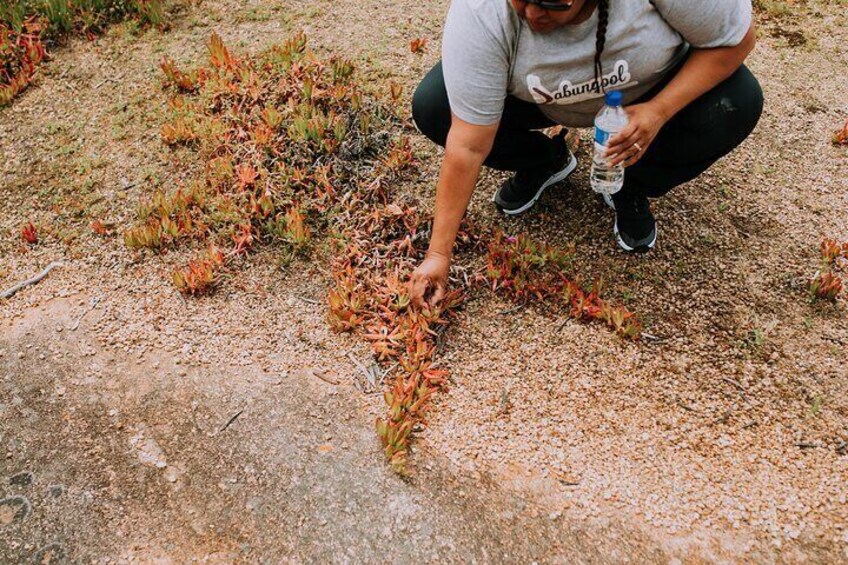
column 722, row 440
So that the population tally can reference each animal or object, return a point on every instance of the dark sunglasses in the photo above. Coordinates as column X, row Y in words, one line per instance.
column 554, row 5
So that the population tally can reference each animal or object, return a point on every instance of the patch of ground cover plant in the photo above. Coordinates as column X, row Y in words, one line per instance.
column 297, row 151
column 21, row 51
column 780, row 9
column 520, row 268
column 29, row 234
column 527, row 270
column 280, row 134
column 369, row 294
column 29, row 27
column 782, row 19
column 829, row 283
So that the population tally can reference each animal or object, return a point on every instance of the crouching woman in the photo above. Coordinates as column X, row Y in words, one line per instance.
column 511, row 68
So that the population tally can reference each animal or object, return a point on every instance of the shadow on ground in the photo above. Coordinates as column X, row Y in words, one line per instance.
column 111, row 460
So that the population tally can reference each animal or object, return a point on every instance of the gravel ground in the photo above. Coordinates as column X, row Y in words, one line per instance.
column 718, row 441
column 117, row 458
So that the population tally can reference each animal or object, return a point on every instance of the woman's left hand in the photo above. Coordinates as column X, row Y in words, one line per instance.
column 630, row 144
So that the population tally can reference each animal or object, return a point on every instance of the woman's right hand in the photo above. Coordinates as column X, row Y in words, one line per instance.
column 428, row 283
column 466, row 148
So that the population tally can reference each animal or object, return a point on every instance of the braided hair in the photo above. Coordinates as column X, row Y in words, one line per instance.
column 600, row 41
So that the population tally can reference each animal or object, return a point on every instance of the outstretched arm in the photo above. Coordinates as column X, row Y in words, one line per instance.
column 467, row 147
column 705, row 69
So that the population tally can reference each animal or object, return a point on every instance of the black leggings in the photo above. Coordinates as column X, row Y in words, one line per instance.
column 695, row 138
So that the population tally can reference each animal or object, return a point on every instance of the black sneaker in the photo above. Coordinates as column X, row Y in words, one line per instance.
column 635, row 226
column 521, row 191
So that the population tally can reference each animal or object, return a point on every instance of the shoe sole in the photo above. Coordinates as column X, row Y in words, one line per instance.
column 560, row 176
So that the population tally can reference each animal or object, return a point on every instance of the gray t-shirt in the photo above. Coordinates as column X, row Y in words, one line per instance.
column 489, row 52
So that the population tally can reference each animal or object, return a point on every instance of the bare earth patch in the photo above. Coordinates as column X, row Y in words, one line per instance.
column 721, row 440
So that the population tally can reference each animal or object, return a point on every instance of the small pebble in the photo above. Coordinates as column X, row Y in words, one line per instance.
column 51, row 554
column 22, row 479
column 14, row 509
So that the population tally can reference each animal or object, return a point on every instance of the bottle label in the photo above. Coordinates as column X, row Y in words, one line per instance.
column 601, row 136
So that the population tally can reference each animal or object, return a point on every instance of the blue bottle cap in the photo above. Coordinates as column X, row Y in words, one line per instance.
column 613, row 98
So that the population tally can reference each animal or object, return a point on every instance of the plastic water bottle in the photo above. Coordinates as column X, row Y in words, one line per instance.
column 612, row 118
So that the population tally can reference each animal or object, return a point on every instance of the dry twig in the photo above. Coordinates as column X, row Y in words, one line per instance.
column 34, row 280
column 687, row 407
column 230, row 421
column 319, row 373
column 730, row 381
column 373, row 374
column 805, row 445
column 726, row 416
column 92, row 304
column 512, row 310
column 833, row 339
column 504, row 403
